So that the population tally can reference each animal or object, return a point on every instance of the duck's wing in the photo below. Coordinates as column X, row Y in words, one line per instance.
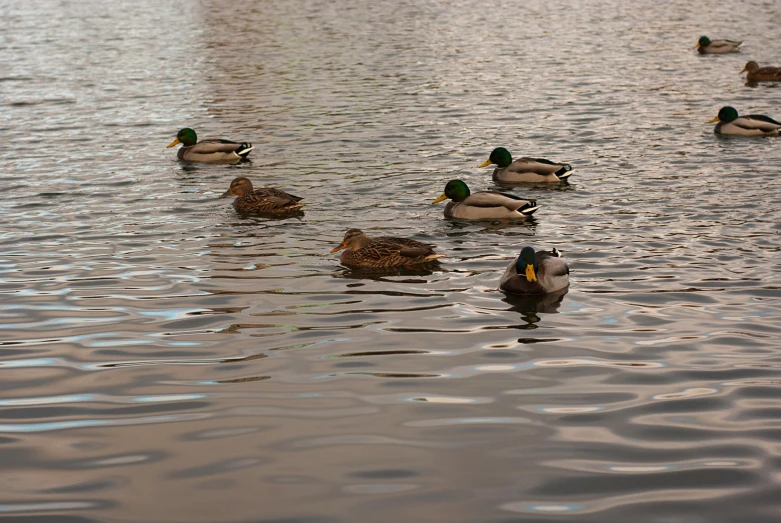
column 488, row 199
column 724, row 46
column 217, row 146
column 757, row 122
column 268, row 192
column 553, row 273
column 540, row 166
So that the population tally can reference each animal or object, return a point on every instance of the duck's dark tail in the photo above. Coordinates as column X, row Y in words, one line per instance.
column 244, row 149
column 565, row 172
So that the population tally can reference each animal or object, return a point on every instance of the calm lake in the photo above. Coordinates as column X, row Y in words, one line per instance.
column 164, row 359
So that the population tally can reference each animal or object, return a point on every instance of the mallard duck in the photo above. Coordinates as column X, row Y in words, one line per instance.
column 535, row 273
column 209, row 151
column 383, row 252
column 525, row 169
column 750, row 125
column 484, row 205
column 706, row 45
column 267, row 200
column 761, row 74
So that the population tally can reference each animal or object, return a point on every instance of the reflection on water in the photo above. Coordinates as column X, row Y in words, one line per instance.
column 167, row 359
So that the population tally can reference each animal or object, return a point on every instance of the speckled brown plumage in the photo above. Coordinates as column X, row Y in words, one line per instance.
column 267, row 200
column 761, row 74
column 383, row 252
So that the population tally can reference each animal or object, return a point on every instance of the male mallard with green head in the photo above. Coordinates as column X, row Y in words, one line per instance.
column 484, row 205
column 749, row 125
column 535, row 273
column 209, row 151
column 707, row 46
column 534, row 170
column 267, row 200
column 383, row 252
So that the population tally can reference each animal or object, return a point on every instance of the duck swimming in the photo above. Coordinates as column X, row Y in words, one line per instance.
column 761, row 74
column 535, row 273
column 707, row 46
column 383, row 252
column 484, row 205
column 525, row 169
column 731, row 124
column 209, row 151
column 267, row 200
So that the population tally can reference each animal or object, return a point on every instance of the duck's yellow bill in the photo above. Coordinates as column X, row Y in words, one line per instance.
column 175, row 142
column 341, row 246
column 744, row 70
column 485, row 163
column 696, row 45
column 443, row 197
column 714, row 120
column 530, row 276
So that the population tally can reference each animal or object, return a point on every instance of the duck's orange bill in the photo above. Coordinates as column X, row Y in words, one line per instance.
column 341, row 246
column 714, row 120
column 175, row 142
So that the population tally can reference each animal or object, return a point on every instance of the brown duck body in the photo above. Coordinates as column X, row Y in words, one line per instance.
column 266, row 200
column 383, row 252
column 761, row 74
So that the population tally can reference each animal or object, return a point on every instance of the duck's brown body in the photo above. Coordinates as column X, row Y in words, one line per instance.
column 266, row 200
column 383, row 252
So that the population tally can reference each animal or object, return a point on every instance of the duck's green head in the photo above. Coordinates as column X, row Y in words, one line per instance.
column 455, row 190
column 499, row 156
column 704, row 41
column 527, row 264
column 186, row 137
column 726, row 114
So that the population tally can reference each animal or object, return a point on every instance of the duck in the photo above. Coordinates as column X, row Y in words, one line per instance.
column 525, row 169
column 535, row 273
column 749, row 125
column 761, row 74
column 707, row 46
column 484, row 205
column 267, row 200
column 209, row 151
column 383, row 252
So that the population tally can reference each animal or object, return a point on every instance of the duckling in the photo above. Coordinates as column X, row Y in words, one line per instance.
column 484, row 205
column 268, row 200
column 761, row 74
column 706, row 45
column 209, row 151
column 383, row 252
column 525, row 169
column 535, row 273
column 750, row 125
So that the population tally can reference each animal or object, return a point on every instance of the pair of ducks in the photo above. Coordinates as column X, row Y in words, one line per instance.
column 755, row 73
column 532, row 273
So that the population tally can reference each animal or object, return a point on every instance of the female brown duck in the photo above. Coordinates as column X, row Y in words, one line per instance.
column 266, row 200
column 383, row 252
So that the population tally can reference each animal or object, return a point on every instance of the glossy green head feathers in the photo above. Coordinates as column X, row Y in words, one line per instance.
column 187, row 137
column 457, row 190
column 704, row 41
column 727, row 114
column 501, row 157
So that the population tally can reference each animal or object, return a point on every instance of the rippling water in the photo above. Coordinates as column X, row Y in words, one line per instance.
column 166, row 360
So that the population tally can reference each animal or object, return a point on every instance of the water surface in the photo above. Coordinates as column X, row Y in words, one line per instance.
column 165, row 359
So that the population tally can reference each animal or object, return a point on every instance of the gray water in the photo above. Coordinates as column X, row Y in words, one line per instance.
column 166, row 360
